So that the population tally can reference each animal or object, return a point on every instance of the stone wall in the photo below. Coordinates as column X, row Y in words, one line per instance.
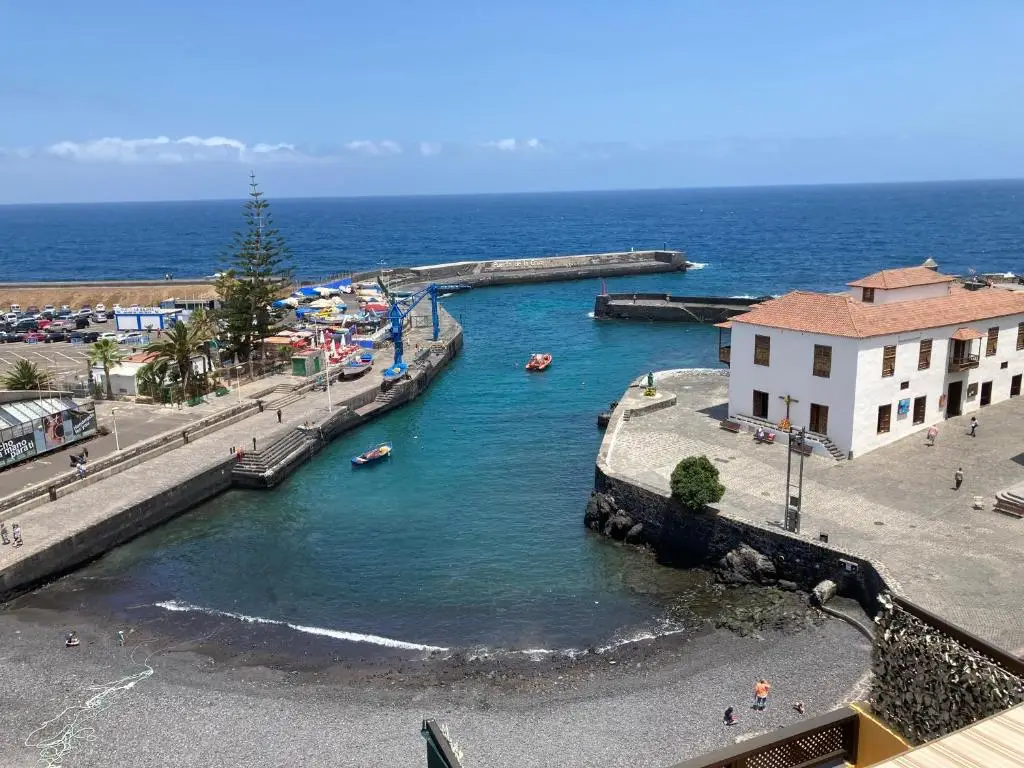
column 931, row 679
column 123, row 525
column 701, row 540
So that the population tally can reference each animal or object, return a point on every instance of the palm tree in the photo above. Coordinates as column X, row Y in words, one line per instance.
column 107, row 353
column 177, row 347
column 26, row 375
column 206, row 329
column 151, row 378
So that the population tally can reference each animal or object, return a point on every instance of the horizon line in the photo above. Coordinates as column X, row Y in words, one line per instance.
column 535, row 193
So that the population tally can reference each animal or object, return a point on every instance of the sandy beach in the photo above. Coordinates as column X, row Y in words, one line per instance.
column 648, row 703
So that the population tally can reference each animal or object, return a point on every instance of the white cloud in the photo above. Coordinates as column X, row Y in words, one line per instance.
column 515, row 145
column 429, row 148
column 162, row 149
column 385, row 147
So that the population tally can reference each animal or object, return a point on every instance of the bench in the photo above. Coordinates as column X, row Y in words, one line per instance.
column 730, row 425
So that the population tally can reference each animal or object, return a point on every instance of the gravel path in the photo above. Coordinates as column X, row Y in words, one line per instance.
column 648, row 709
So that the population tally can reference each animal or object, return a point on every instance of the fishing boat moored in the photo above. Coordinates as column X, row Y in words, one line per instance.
column 373, row 455
column 538, row 362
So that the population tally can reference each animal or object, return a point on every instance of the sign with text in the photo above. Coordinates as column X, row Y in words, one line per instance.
column 16, row 449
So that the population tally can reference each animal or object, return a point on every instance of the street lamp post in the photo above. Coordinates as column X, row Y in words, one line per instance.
column 113, row 418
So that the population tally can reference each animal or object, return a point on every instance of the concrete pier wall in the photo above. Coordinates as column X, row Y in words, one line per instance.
column 662, row 306
column 358, row 410
column 122, row 523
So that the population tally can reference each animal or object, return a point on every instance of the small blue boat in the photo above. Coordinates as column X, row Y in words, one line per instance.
column 373, row 455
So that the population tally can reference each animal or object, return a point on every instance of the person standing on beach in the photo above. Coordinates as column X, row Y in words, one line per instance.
column 958, row 478
column 761, row 689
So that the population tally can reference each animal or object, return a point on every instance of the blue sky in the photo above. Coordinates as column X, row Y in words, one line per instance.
column 131, row 101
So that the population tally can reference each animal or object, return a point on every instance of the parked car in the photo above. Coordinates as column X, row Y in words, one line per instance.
column 81, row 322
column 111, row 335
column 90, row 337
column 13, row 337
column 49, row 308
column 32, row 309
column 56, row 336
column 42, row 323
column 100, row 308
column 11, row 317
column 35, row 336
column 84, row 311
column 99, row 317
column 26, row 324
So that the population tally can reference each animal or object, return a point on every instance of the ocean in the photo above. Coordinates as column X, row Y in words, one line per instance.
column 471, row 536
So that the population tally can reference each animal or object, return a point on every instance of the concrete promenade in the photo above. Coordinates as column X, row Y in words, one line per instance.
column 895, row 506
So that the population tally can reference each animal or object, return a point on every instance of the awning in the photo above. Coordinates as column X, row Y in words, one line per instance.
column 966, row 334
column 725, row 324
column 19, row 412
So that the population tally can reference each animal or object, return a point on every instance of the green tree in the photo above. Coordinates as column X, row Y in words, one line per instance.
column 175, row 350
column 26, row 375
column 205, row 326
column 258, row 269
column 695, row 483
column 151, row 379
column 108, row 354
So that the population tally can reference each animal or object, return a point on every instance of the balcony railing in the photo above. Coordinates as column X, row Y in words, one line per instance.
column 815, row 743
column 962, row 363
column 724, row 354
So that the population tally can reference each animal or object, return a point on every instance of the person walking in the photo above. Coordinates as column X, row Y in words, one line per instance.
column 254, row 444
column 974, row 426
column 85, row 451
column 278, row 415
column 958, row 478
column 4, row 536
column 16, row 533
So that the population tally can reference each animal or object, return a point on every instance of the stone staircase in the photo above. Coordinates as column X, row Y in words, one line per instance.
column 385, row 396
column 813, row 437
column 258, row 464
column 1010, row 502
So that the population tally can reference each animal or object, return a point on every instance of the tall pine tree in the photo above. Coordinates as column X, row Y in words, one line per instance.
column 257, row 271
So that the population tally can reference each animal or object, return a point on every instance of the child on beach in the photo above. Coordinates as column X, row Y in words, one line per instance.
column 729, row 718
column 16, row 532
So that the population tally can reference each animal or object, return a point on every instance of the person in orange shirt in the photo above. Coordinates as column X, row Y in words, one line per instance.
column 761, row 691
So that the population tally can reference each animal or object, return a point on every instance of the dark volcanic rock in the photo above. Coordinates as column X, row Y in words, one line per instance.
column 745, row 565
column 788, row 586
column 618, row 526
column 600, row 507
column 635, row 535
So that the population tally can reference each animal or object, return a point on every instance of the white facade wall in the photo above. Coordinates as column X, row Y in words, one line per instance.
column 873, row 390
column 791, row 373
column 910, row 293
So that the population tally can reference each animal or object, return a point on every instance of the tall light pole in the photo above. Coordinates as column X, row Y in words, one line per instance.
column 113, row 418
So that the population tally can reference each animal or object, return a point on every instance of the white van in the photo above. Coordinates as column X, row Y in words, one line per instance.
column 16, row 308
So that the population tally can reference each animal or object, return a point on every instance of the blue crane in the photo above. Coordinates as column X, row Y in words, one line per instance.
column 400, row 308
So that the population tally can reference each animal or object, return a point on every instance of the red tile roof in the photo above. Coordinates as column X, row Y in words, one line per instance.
column 966, row 334
column 889, row 279
column 840, row 315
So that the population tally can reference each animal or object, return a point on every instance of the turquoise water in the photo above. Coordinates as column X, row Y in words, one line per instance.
column 472, row 534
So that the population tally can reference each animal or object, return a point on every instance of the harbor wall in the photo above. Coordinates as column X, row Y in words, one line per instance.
column 356, row 411
column 687, row 539
column 536, row 270
column 119, row 526
column 662, row 306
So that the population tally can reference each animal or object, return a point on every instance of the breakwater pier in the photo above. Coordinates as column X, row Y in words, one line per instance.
column 663, row 306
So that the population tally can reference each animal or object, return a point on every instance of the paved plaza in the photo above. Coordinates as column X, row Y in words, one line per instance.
column 896, row 505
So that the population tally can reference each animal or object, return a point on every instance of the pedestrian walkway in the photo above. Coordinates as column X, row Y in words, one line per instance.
column 896, row 505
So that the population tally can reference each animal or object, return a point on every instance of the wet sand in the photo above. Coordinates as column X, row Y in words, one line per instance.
column 229, row 695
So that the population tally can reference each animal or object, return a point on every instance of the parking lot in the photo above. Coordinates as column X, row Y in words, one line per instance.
column 66, row 363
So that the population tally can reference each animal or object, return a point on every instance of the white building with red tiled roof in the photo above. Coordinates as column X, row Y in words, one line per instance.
column 900, row 351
